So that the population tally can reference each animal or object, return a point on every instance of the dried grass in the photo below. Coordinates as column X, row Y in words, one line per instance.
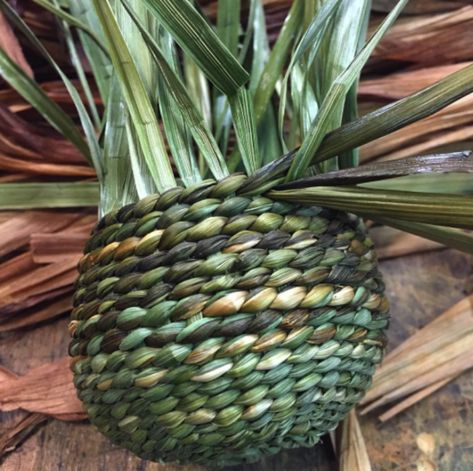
column 423, row 363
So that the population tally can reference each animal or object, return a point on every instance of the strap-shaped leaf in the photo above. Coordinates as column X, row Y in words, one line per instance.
column 193, row 119
column 452, row 182
column 93, row 153
column 98, row 59
column 277, row 59
column 177, row 132
column 141, row 110
column 244, row 122
column 379, row 123
column 454, row 238
column 228, row 24
column 437, row 163
column 197, row 38
column 118, row 187
column 335, row 96
column 56, row 10
column 79, row 68
column 33, row 93
column 429, row 208
column 48, row 195
column 310, row 41
column 397, row 115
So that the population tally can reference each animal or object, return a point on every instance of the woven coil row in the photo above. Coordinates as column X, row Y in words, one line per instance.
column 212, row 326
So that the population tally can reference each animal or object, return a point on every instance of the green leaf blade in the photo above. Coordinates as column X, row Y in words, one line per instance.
column 429, row 208
column 185, row 107
column 245, row 129
column 48, row 195
column 31, row 92
column 335, row 97
column 198, row 39
column 141, row 110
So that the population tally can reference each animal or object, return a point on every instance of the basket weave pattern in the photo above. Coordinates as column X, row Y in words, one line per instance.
column 213, row 326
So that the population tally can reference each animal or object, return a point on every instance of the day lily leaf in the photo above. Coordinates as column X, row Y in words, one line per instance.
column 454, row 238
column 439, row 163
column 198, row 39
column 48, row 195
column 93, row 153
column 138, row 102
column 429, row 208
column 334, row 97
column 203, row 137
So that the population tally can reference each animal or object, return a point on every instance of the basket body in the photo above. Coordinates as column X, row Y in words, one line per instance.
column 212, row 327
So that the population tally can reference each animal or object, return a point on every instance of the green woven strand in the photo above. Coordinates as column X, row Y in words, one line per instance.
column 214, row 327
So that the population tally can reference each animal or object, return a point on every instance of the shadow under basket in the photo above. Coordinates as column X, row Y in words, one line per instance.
column 210, row 326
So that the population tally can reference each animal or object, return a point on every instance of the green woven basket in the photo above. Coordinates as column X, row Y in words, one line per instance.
column 214, row 327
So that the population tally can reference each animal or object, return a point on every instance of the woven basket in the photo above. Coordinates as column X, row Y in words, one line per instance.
column 215, row 327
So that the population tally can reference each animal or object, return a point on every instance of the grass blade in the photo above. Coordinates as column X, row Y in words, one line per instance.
column 93, row 153
column 198, row 88
column 71, row 20
column 144, row 183
column 454, row 238
column 118, row 187
column 76, row 62
column 135, row 43
column 439, row 163
column 228, row 24
column 397, row 115
column 48, row 195
column 261, row 51
column 177, row 132
column 277, row 59
column 350, row 157
column 310, row 41
column 335, row 97
column 138, row 102
column 98, row 58
column 203, row 137
column 245, row 128
column 454, row 182
column 380, row 122
column 31, row 92
column 429, row 208
column 197, row 38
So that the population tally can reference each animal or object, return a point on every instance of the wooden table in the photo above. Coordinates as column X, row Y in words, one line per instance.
column 420, row 287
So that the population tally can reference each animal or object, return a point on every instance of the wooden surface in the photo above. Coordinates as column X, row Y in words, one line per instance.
column 420, row 287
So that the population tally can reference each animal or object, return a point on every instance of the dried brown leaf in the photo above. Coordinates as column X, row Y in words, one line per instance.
column 436, row 353
column 414, row 398
column 16, row 266
column 392, row 243
column 28, row 317
column 16, row 230
column 36, row 282
column 425, row 135
column 54, row 248
column 14, row 435
column 47, row 389
column 352, row 449
column 9, row 43
column 401, row 84
column 411, row 39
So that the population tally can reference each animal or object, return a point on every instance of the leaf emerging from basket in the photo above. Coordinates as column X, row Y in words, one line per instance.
column 229, row 302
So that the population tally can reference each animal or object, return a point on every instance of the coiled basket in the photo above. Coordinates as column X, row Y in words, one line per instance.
column 210, row 326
